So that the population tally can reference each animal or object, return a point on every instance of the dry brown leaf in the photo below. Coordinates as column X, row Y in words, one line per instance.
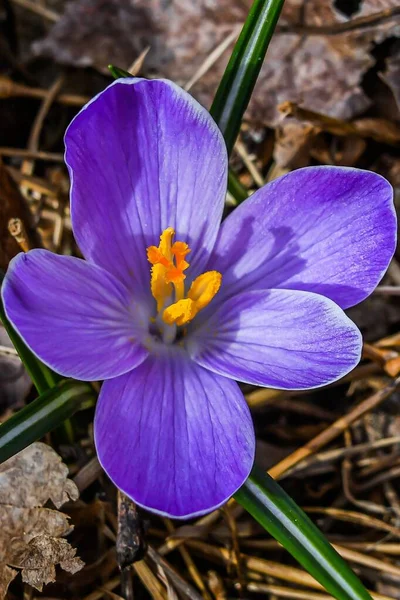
column 391, row 76
column 30, row 535
column 6, row 576
column 35, row 475
column 293, row 140
column 38, row 558
column 321, row 72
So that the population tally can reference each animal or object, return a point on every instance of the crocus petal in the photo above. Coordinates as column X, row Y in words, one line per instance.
column 144, row 156
column 174, row 437
column 76, row 317
column 278, row 338
column 330, row 230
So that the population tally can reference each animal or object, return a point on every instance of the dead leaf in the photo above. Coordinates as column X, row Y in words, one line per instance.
column 6, row 576
column 391, row 75
column 292, row 143
column 38, row 558
column 30, row 535
column 321, row 72
column 35, row 475
column 119, row 30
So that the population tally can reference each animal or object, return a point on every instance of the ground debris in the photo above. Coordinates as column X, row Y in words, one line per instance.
column 391, row 75
column 322, row 71
column 13, row 206
column 30, row 534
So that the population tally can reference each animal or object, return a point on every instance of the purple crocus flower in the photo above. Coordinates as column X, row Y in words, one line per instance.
column 170, row 307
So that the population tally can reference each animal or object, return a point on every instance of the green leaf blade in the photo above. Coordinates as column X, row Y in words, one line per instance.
column 237, row 84
column 43, row 415
column 118, row 73
column 273, row 508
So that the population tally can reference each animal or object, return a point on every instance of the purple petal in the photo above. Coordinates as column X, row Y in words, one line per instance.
column 174, row 437
column 77, row 318
column 144, row 156
column 330, row 230
column 278, row 338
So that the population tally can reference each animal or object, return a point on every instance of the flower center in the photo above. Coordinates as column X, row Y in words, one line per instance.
column 174, row 304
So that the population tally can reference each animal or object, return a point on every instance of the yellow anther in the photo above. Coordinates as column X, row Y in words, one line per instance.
column 167, row 276
column 180, row 313
column 204, row 288
column 200, row 294
column 160, row 289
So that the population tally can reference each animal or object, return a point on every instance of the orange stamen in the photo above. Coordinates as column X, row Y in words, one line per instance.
column 167, row 275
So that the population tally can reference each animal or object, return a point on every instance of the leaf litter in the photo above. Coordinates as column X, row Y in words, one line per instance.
column 323, row 71
column 31, row 535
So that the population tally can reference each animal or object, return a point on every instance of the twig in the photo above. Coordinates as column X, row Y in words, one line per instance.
column 39, row 185
column 191, row 567
column 149, row 580
column 334, row 430
column 37, row 155
column 38, row 9
column 332, row 455
column 88, row 474
column 235, row 549
column 346, row 470
column 285, row 592
column 10, row 89
column 212, row 58
column 379, row 130
column 338, row 28
column 392, row 473
column 350, row 516
column 51, row 94
column 251, row 167
column 180, row 584
column 388, row 290
column 294, row 594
